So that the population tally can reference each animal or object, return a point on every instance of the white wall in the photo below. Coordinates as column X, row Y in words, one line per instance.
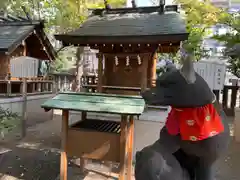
column 35, row 113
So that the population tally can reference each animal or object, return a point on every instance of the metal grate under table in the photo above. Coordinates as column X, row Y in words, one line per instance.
column 99, row 125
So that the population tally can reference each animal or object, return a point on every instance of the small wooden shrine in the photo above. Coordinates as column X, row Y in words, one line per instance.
column 21, row 36
column 128, row 40
column 25, row 51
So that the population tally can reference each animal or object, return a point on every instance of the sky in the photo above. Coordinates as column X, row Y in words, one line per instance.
column 145, row 2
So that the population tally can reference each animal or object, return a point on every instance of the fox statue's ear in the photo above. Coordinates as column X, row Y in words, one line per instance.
column 187, row 70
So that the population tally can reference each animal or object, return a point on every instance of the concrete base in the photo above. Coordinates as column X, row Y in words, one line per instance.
column 33, row 103
column 237, row 124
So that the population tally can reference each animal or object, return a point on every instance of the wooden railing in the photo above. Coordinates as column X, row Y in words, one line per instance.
column 229, row 98
column 11, row 88
column 90, row 84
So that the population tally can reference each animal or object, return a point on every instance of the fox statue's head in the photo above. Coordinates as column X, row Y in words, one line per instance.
column 180, row 87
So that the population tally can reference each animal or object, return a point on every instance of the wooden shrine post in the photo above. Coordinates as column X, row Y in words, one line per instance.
column 144, row 76
column 153, row 70
column 64, row 136
column 130, row 147
column 24, row 106
column 123, row 147
column 100, row 72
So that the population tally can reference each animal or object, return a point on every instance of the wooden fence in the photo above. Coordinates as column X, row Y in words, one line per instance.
column 229, row 97
column 12, row 88
column 64, row 82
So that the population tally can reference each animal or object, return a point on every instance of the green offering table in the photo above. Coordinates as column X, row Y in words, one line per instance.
column 98, row 139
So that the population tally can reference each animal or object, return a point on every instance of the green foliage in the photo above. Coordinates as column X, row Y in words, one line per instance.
column 171, row 56
column 230, row 39
column 60, row 16
column 160, row 71
column 8, row 121
column 58, row 65
column 199, row 15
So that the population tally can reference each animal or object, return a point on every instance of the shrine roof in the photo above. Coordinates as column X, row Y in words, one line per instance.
column 97, row 102
column 15, row 29
column 130, row 25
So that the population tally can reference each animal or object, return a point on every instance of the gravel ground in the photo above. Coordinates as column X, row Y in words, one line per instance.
column 37, row 158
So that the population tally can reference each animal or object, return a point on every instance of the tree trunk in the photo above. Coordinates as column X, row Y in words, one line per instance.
column 79, row 63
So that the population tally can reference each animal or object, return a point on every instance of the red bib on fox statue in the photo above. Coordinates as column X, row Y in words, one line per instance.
column 195, row 126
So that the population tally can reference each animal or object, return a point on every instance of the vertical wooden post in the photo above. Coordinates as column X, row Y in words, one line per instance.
column 54, row 91
column 59, row 82
column 46, row 87
column 123, row 147
column 225, row 97
column 24, row 106
column 64, row 133
column 233, row 99
column 65, row 83
column 9, row 88
column 33, row 87
column 54, row 87
column 8, row 76
column 100, row 72
column 153, row 70
column 39, row 88
column 24, row 48
column 130, row 147
column 144, row 77
column 217, row 94
column 83, row 161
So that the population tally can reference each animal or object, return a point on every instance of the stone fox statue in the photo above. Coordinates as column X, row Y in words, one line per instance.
column 195, row 124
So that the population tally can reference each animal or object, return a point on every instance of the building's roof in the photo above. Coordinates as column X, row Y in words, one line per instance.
column 129, row 25
column 14, row 30
column 234, row 51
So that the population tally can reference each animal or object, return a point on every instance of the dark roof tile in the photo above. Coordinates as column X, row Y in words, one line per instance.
column 10, row 35
column 132, row 24
column 129, row 25
column 15, row 29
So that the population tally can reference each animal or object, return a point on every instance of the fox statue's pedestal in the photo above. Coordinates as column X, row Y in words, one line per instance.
column 237, row 124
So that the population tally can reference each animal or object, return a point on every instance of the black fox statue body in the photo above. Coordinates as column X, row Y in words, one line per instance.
column 182, row 88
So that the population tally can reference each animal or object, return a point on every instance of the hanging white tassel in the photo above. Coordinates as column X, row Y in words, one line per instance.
column 127, row 61
column 116, row 61
column 139, row 60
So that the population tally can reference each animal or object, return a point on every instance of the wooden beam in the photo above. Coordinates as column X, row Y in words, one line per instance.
column 130, row 147
column 64, row 133
column 144, row 78
column 8, row 67
column 24, row 48
column 100, row 72
column 123, row 147
column 83, row 161
column 9, row 88
column 24, row 106
column 153, row 70
column 123, row 55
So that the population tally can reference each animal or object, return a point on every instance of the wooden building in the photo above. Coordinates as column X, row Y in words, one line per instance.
column 128, row 40
column 23, row 42
column 22, row 37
